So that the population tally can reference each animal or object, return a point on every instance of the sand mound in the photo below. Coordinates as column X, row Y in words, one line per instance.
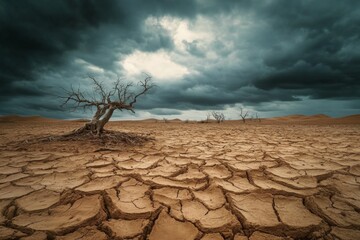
column 288, row 118
column 175, row 120
column 350, row 119
column 315, row 119
column 323, row 116
column 18, row 118
column 150, row 120
column 80, row 120
column 298, row 117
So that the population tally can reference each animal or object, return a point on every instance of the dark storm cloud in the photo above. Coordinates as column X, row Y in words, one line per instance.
column 326, row 60
column 290, row 49
column 159, row 111
column 38, row 35
column 192, row 48
column 309, row 49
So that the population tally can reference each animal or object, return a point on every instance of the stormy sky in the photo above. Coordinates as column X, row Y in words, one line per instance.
column 269, row 56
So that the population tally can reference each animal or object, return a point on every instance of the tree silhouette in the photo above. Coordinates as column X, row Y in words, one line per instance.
column 120, row 97
column 243, row 114
column 219, row 117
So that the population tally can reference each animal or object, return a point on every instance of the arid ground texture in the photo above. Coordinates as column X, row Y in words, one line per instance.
column 286, row 178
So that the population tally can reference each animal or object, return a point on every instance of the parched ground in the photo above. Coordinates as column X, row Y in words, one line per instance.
column 195, row 181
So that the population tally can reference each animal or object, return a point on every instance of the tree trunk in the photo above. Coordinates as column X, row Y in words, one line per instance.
column 101, row 123
column 96, row 125
column 99, row 113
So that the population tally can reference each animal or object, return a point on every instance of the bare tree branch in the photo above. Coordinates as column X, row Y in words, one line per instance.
column 219, row 116
column 243, row 114
column 120, row 97
column 146, row 86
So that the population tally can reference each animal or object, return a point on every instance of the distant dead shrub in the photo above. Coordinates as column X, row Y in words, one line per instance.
column 219, row 116
column 243, row 114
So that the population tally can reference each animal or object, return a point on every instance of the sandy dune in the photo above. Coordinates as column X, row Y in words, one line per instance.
column 278, row 179
column 315, row 119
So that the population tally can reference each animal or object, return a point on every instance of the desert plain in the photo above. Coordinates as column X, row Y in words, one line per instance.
column 285, row 178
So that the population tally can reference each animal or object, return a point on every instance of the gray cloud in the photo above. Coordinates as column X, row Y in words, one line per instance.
column 162, row 111
column 257, row 52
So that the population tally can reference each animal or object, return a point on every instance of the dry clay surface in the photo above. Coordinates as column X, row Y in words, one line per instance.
column 195, row 181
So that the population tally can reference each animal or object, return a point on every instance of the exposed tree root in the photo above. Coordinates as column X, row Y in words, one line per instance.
column 106, row 138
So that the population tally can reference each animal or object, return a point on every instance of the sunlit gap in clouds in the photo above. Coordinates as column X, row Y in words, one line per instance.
column 172, row 64
column 158, row 64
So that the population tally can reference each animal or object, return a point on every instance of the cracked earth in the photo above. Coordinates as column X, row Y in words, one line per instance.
column 195, row 181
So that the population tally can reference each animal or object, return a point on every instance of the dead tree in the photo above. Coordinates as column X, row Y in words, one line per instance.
column 208, row 116
column 243, row 114
column 219, row 117
column 257, row 117
column 119, row 97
